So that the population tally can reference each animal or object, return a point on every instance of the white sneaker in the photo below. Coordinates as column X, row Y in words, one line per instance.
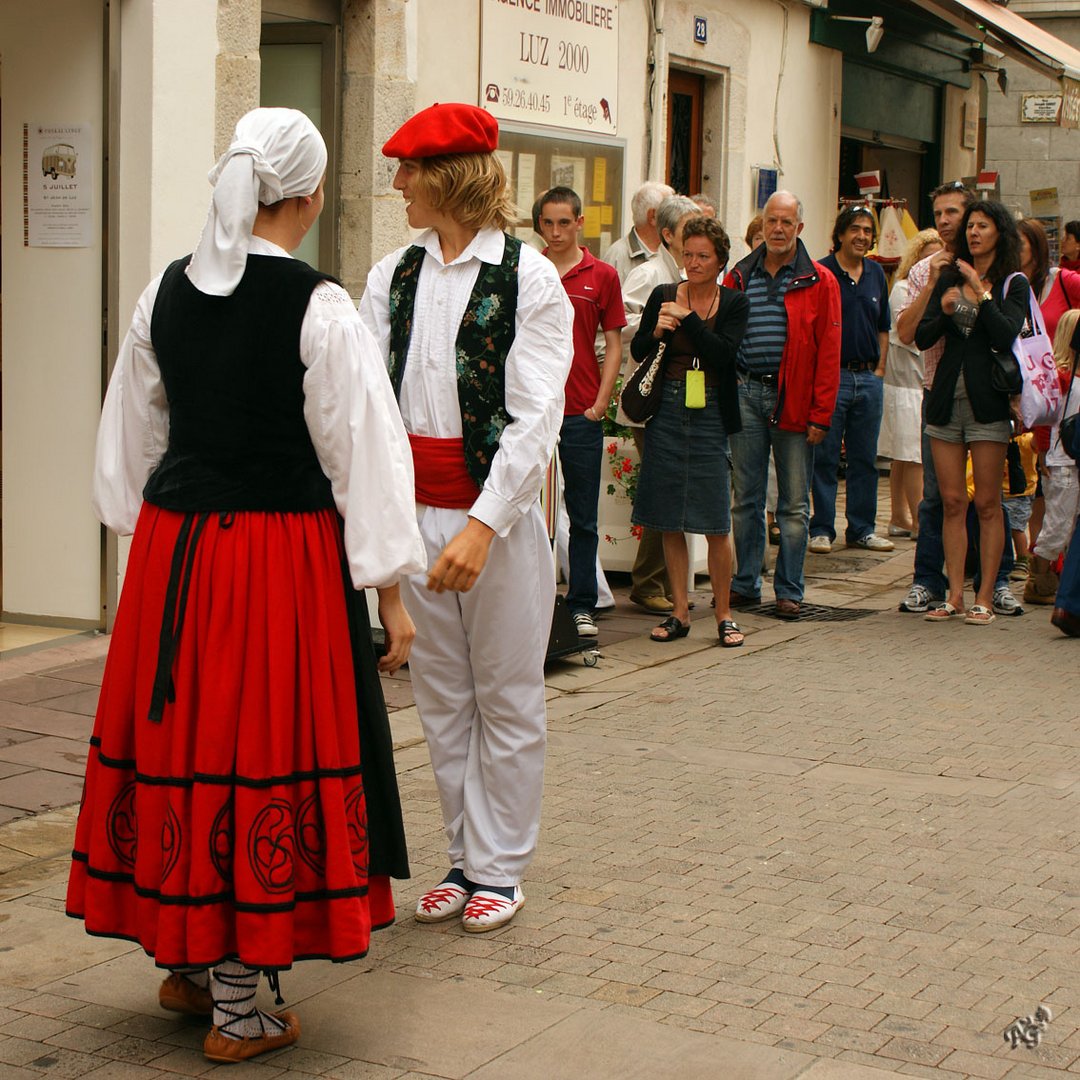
column 490, row 910
column 586, row 624
column 820, row 545
column 917, row 600
column 1005, row 603
column 445, row 901
column 872, row 542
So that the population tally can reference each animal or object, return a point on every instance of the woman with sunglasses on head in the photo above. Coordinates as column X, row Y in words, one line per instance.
column 965, row 412
column 225, row 821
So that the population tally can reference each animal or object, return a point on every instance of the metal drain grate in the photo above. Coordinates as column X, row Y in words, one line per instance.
column 812, row 613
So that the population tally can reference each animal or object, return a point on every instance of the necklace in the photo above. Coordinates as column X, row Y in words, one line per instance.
column 712, row 302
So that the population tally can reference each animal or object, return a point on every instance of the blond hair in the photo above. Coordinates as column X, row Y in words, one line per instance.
column 919, row 243
column 471, row 188
column 1063, row 335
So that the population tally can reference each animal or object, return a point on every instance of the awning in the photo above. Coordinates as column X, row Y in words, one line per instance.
column 1010, row 34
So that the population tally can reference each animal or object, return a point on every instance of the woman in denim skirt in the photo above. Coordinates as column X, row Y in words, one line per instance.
column 685, row 483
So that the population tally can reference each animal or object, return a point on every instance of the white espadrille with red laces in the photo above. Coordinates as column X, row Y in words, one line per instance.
column 489, row 910
column 443, row 902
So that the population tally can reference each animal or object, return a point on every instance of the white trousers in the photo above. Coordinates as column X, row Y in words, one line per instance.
column 477, row 669
column 1062, row 492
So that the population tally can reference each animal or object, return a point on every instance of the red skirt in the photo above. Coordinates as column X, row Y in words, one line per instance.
column 234, row 826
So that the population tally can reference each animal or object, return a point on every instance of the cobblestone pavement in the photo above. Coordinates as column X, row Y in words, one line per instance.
column 844, row 850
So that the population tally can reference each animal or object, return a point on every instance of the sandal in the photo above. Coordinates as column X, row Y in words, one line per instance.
column 943, row 613
column 727, row 629
column 672, row 628
column 979, row 616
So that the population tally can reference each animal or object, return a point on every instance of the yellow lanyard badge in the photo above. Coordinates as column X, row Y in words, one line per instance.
column 695, row 386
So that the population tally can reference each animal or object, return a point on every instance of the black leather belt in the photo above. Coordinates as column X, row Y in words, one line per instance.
column 860, row 365
column 766, row 378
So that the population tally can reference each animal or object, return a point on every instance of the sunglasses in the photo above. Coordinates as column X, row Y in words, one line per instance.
column 952, row 185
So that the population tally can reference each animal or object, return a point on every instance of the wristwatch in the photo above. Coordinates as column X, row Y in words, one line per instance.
column 985, row 296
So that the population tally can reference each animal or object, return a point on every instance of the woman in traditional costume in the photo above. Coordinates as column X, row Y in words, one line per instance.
column 249, row 436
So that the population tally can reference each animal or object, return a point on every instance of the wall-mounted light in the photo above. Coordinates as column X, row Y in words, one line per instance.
column 984, row 60
column 875, row 31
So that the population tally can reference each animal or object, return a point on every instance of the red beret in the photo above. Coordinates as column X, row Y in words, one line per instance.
column 452, row 128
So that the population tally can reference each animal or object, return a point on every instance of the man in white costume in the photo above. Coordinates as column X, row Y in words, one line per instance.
column 477, row 331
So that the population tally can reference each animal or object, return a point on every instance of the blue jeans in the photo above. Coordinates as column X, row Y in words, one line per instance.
column 856, row 421
column 793, row 457
column 929, row 549
column 581, row 454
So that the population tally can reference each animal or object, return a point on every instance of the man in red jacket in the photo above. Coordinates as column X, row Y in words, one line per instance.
column 789, row 372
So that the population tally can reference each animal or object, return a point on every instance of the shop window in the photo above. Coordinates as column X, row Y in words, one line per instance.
column 299, row 70
column 535, row 163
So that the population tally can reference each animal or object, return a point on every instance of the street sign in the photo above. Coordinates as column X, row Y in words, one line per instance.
column 1040, row 108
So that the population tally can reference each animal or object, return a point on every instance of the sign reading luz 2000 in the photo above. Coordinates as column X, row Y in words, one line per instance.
column 553, row 62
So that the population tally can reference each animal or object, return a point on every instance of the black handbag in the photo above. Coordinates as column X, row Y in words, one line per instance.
column 641, row 395
column 1069, row 428
column 1069, row 436
column 1005, row 375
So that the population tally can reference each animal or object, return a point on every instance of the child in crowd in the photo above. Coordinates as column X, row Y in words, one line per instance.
column 1060, row 484
column 1017, row 491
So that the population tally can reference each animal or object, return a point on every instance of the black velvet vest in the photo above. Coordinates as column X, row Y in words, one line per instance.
column 483, row 342
column 234, row 380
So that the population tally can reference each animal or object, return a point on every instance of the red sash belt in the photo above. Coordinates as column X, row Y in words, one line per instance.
column 441, row 476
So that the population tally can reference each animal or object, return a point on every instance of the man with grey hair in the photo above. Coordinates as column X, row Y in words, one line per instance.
column 707, row 204
column 789, row 373
column 642, row 242
column 649, row 586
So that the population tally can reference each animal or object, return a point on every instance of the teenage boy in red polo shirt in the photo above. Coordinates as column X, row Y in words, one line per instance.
column 594, row 291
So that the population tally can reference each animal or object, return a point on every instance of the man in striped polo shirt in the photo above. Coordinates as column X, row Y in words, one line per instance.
column 789, row 372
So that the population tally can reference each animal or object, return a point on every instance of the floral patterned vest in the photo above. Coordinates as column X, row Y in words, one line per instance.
column 483, row 342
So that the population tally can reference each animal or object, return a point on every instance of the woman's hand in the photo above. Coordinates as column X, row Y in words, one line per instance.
column 461, row 561
column 671, row 314
column 399, row 629
column 971, row 277
column 949, row 299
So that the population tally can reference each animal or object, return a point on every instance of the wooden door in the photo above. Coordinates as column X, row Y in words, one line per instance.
column 684, row 131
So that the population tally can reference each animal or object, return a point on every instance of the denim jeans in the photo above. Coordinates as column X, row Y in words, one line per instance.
column 856, row 421
column 929, row 548
column 581, row 454
column 793, row 457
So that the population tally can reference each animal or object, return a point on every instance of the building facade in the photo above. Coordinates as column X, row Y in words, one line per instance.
column 724, row 96
column 1037, row 159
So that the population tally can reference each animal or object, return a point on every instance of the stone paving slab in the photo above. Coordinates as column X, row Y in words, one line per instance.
column 844, row 850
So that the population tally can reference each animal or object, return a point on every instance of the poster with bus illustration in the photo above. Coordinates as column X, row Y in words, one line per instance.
column 58, row 188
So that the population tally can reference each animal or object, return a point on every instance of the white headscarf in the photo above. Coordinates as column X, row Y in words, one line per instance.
column 275, row 154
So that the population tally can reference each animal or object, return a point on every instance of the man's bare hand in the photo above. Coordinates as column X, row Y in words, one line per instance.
column 815, row 435
column 399, row 629
column 938, row 261
column 461, row 561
